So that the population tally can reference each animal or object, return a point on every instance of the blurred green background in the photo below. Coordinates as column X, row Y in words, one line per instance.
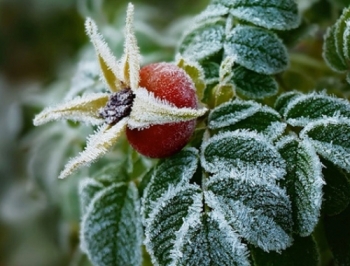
column 41, row 44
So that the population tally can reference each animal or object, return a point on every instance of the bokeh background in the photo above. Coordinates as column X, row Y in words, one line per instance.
column 45, row 56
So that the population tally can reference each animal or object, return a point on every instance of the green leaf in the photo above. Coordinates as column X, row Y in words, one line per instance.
column 303, row 252
column 284, row 99
column 247, row 115
column 111, row 229
column 88, row 188
column 256, row 208
column 340, row 27
column 333, row 59
column 203, row 41
column 303, row 182
column 253, row 85
column 211, row 242
column 170, row 173
column 256, row 49
column 178, row 208
column 338, row 235
column 242, row 150
column 312, row 107
column 270, row 14
column 337, row 189
column 211, row 71
column 331, row 139
column 213, row 10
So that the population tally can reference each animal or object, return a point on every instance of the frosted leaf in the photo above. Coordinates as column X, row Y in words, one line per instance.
column 270, row 14
column 303, row 182
column 82, row 109
column 178, row 208
column 312, row 107
column 111, row 229
column 203, row 40
column 346, row 40
column 131, row 59
column 213, row 10
column 210, row 242
column 149, row 110
column 330, row 54
column 109, row 65
column 231, row 112
column 256, row 49
column 340, row 27
column 211, row 72
column 88, row 188
column 243, row 151
column 331, row 139
column 304, row 251
column 253, row 85
column 261, row 119
column 255, row 208
column 97, row 145
column 173, row 172
column 284, row 99
column 337, row 189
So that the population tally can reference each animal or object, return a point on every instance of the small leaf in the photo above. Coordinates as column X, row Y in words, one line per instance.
column 303, row 252
column 340, row 27
column 253, row 85
column 211, row 71
column 256, row 49
column 312, row 107
column 337, row 189
column 303, row 182
column 331, row 139
column 213, row 10
column 211, row 242
column 270, row 14
column 256, row 208
column 204, row 40
column 333, row 59
column 88, row 188
column 178, row 208
column 284, row 99
column 82, row 109
column 338, row 235
column 173, row 172
column 111, row 230
column 242, row 150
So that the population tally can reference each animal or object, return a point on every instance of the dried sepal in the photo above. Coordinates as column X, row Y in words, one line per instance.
column 109, row 65
column 131, row 58
column 97, row 145
column 82, row 109
column 149, row 110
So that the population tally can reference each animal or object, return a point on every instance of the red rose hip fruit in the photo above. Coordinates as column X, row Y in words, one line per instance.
column 170, row 83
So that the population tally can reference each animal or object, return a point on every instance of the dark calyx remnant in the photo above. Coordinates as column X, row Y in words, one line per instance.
column 118, row 106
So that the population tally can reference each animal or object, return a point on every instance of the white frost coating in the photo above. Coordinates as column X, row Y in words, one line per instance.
column 232, row 117
column 162, row 204
column 307, row 181
column 104, row 53
column 131, row 59
column 212, row 11
column 337, row 154
column 261, row 155
column 88, row 187
column 97, row 145
column 335, row 107
column 148, row 110
column 346, row 40
column 82, row 109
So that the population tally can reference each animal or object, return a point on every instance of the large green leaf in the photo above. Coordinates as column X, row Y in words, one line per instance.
column 270, row 14
column 204, row 40
column 312, row 107
column 256, row 208
column 242, row 150
column 256, row 49
column 253, row 85
column 111, row 229
column 173, row 172
column 303, row 182
column 331, row 139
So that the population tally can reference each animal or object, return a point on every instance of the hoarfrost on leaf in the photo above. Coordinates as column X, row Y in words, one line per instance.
column 256, row 49
column 111, row 229
column 88, row 188
column 256, row 208
column 283, row 100
column 303, row 182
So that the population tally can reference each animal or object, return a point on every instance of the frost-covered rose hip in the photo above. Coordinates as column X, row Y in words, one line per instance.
column 170, row 83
